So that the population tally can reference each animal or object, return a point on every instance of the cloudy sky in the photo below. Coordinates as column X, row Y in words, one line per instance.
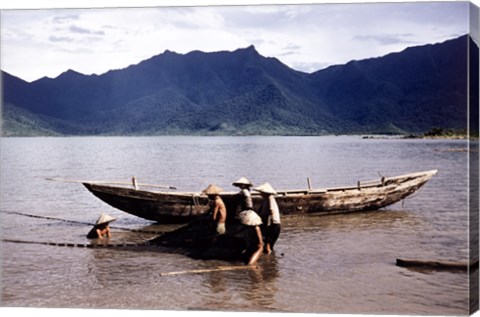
column 47, row 42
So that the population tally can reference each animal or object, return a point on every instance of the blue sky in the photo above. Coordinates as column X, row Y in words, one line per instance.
column 47, row 42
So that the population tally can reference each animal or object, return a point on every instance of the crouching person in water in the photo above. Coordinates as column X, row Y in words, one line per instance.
column 251, row 218
column 101, row 229
column 217, row 207
column 270, row 215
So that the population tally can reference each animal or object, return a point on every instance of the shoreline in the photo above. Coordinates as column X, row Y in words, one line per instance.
column 363, row 136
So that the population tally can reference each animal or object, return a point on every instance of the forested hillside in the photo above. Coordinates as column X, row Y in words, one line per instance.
column 244, row 93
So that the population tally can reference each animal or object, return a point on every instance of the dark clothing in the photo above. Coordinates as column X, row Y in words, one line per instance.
column 272, row 233
column 92, row 234
column 247, row 203
column 264, row 214
column 244, row 201
column 270, row 215
column 199, row 240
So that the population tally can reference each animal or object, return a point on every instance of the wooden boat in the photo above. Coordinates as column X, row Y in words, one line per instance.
column 182, row 207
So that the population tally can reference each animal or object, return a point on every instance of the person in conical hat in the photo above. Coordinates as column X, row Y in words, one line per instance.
column 252, row 219
column 101, row 229
column 270, row 214
column 217, row 207
column 244, row 196
column 265, row 189
column 242, row 181
column 104, row 218
column 212, row 190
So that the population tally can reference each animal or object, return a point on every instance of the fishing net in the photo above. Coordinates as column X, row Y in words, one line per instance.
column 200, row 240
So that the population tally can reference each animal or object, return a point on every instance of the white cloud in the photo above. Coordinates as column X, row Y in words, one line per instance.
column 64, row 19
column 37, row 43
column 60, row 39
column 80, row 30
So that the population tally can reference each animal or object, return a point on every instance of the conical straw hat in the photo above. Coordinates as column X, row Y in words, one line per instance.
column 212, row 189
column 250, row 218
column 266, row 188
column 104, row 218
column 242, row 181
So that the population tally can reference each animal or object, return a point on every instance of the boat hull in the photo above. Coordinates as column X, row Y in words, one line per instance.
column 170, row 207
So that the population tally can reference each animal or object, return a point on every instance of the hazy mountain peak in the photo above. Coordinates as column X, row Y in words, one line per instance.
column 169, row 52
column 248, row 50
column 70, row 74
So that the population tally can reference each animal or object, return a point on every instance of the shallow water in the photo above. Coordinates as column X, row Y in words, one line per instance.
column 329, row 264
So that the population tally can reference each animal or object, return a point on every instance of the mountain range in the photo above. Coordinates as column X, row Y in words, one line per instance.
column 245, row 93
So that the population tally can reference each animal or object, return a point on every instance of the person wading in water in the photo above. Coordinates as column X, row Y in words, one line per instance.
column 244, row 195
column 255, row 240
column 270, row 215
column 101, row 229
column 217, row 207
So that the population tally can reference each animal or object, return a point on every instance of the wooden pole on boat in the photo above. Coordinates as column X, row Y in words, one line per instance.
column 217, row 269
column 107, row 182
column 309, row 184
column 134, row 182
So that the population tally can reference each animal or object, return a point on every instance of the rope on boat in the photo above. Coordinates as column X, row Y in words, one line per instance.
column 196, row 201
column 78, row 222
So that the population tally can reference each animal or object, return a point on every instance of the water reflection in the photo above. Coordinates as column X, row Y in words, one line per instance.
column 216, row 282
column 251, row 289
column 127, row 266
column 262, row 286
column 384, row 219
column 99, row 266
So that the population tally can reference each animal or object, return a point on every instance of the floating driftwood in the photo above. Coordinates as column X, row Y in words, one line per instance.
column 178, row 207
column 438, row 265
column 217, row 269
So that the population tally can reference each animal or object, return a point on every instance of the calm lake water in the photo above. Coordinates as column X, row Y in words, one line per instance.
column 330, row 264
